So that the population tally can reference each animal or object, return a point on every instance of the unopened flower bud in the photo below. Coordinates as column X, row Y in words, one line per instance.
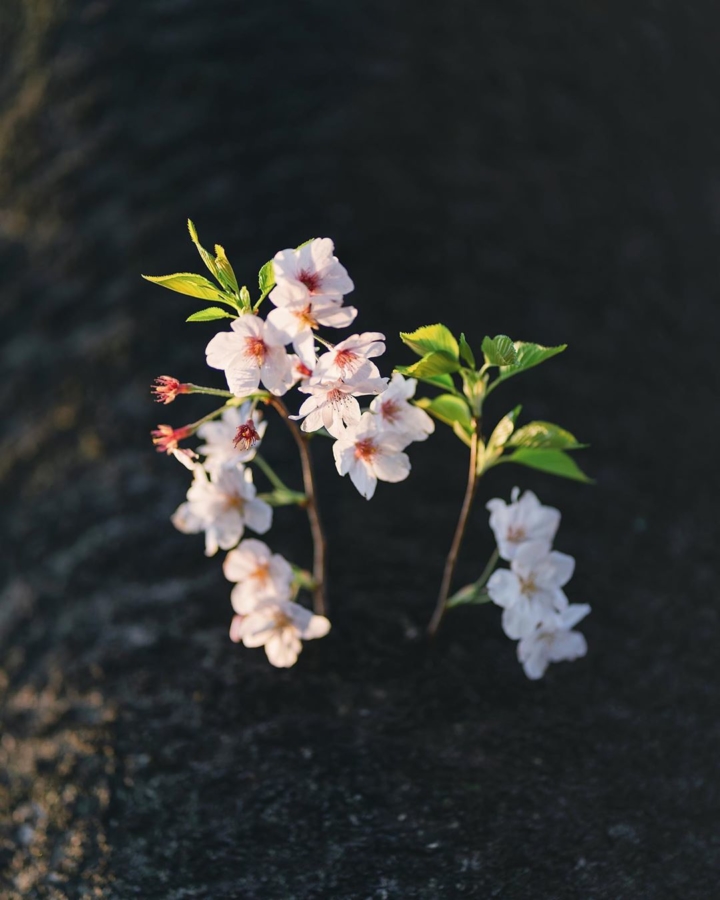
column 247, row 436
column 166, row 388
column 166, row 438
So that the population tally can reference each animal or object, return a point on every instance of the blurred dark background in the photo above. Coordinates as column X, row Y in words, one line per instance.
column 547, row 170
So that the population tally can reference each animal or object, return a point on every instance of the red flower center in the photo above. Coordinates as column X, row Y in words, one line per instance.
column 390, row 410
column 345, row 358
column 256, row 349
column 247, row 436
column 311, row 280
column 365, row 449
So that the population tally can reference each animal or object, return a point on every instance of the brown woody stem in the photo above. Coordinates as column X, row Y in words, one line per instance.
column 452, row 556
column 316, row 528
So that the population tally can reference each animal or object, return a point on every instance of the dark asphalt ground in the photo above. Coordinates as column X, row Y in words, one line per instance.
column 547, row 170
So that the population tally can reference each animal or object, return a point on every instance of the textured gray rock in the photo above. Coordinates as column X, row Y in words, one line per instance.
column 546, row 172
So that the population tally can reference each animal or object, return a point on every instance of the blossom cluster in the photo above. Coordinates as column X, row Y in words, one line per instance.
column 310, row 285
column 255, row 355
column 536, row 611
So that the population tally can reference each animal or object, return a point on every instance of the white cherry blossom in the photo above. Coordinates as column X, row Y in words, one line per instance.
column 279, row 626
column 351, row 355
column 397, row 415
column 252, row 352
column 259, row 575
column 219, row 449
column 299, row 319
column 309, row 274
column 524, row 519
column 368, row 453
column 553, row 641
column 222, row 508
column 332, row 403
column 531, row 589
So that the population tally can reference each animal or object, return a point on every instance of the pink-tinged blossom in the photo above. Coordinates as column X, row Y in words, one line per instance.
column 309, row 274
column 368, row 453
column 531, row 589
column 522, row 520
column 553, row 641
column 351, row 355
column 397, row 415
column 259, row 575
column 298, row 321
column 332, row 404
column 222, row 508
column 167, row 388
column 166, row 438
column 219, row 448
column 252, row 352
column 280, row 627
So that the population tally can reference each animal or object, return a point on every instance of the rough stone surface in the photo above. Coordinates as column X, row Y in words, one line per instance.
column 546, row 170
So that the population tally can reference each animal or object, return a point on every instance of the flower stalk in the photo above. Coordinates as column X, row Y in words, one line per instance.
column 311, row 507
column 452, row 556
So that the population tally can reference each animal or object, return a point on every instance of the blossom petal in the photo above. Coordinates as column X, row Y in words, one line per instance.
column 282, row 648
column 504, row 587
column 391, row 467
column 567, row 645
column 258, row 515
column 363, row 479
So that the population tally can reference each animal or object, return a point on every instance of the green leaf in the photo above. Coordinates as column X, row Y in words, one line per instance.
column 192, row 285
column 305, row 243
column 555, row 462
column 431, row 338
column 528, row 355
column 448, row 408
column 225, row 273
column 441, row 381
column 504, row 429
column 499, row 351
column 544, row 435
column 435, row 363
column 464, row 436
column 266, row 280
column 209, row 314
column 206, row 257
column 245, row 301
column 466, row 352
column 471, row 593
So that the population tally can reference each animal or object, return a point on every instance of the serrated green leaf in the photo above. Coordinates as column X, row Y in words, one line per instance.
column 192, row 285
column 431, row 365
column 466, row 353
column 225, row 273
column 544, row 435
column 528, row 355
column 499, row 351
column 448, row 408
column 209, row 314
column 555, row 462
column 431, row 338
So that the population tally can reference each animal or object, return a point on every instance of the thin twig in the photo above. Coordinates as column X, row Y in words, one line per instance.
column 316, row 529
column 452, row 556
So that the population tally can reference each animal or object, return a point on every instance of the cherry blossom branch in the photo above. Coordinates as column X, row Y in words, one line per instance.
column 452, row 556
column 313, row 514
